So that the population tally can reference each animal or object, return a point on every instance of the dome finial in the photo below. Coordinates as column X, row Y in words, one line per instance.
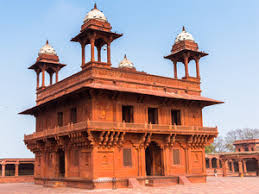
column 47, row 42
column 125, row 56
column 183, row 29
column 95, row 6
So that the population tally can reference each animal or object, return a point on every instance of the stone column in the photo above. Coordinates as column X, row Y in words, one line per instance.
column 56, row 75
column 109, row 52
column 83, row 53
column 92, row 40
column 187, row 161
column 3, row 170
column 99, row 53
column 175, row 69
column 16, row 169
column 197, row 67
column 240, row 168
column 50, row 78
column 186, row 66
column 210, row 163
column 43, row 76
column 225, row 167
column 38, row 78
column 244, row 164
column 218, row 163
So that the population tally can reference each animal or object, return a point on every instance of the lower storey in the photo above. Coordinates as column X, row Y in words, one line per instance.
column 114, row 183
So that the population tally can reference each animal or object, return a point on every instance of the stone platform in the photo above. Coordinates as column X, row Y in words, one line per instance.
column 214, row 185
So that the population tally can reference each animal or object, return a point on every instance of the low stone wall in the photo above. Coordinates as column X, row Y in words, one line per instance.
column 17, row 179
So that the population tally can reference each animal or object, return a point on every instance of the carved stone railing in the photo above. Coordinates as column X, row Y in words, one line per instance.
column 127, row 127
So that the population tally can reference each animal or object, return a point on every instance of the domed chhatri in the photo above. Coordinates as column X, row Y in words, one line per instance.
column 184, row 36
column 47, row 49
column 95, row 14
column 126, row 63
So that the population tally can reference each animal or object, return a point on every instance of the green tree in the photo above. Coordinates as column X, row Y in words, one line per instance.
column 210, row 149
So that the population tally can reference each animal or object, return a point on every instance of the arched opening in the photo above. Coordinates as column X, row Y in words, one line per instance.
column 236, row 167
column 230, row 166
column 26, row 169
column 10, row 170
column 220, row 164
column 214, row 162
column 251, row 165
column 154, row 161
column 61, row 163
column 207, row 163
column 192, row 68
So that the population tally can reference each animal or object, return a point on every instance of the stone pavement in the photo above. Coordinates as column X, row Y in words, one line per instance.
column 215, row 185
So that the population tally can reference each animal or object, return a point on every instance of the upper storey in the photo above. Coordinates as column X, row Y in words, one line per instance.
column 246, row 145
column 97, row 74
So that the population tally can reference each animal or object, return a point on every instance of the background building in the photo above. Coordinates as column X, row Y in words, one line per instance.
column 243, row 162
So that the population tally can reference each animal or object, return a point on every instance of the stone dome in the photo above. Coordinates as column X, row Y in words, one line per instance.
column 95, row 14
column 47, row 49
column 126, row 63
column 184, row 36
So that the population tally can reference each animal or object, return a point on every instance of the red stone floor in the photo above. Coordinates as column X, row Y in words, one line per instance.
column 219, row 185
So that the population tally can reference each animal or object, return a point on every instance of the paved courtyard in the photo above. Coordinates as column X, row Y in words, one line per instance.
column 214, row 185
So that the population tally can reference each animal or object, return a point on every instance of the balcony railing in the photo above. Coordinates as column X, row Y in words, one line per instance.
column 127, row 127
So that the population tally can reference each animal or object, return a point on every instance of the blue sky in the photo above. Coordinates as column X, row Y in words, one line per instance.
column 227, row 30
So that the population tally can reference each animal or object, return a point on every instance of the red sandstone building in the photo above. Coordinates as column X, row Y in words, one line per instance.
column 243, row 162
column 16, row 170
column 104, row 125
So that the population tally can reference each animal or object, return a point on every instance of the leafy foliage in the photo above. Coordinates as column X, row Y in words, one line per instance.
column 225, row 144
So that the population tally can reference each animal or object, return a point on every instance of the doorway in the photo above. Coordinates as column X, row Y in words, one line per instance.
column 61, row 157
column 154, row 160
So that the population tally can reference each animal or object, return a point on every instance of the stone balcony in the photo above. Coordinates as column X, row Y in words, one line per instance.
column 123, row 127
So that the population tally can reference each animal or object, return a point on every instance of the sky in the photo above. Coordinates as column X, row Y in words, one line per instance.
column 227, row 30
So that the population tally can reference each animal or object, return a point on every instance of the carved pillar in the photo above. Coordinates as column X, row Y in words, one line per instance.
column 99, row 53
column 210, row 163
column 186, row 65
column 142, row 161
column 50, row 78
column 244, row 164
column 38, row 78
column 225, row 167
column 109, row 52
column 57, row 75
column 165, row 159
column 3, row 170
column 187, row 160
column 92, row 41
column 197, row 60
column 175, row 69
column 240, row 168
column 43, row 76
column 16, row 169
column 83, row 53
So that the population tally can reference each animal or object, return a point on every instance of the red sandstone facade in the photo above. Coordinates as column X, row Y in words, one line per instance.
column 243, row 162
column 16, row 170
column 103, row 126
